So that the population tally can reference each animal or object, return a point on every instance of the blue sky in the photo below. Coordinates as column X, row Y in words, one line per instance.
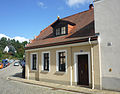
column 26, row 18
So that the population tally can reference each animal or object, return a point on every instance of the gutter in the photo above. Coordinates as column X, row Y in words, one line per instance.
column 62, row 43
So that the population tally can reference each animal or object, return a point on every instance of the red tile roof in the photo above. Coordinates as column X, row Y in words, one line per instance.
column 84, row 27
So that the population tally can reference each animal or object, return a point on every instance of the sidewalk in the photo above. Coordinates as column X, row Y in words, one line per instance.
column 64, row 87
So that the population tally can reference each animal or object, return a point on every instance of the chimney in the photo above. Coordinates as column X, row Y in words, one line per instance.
column 91, row 6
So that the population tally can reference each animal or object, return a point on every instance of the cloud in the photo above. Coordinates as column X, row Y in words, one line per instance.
column 20, row 39
column 2, row 35
column 72, row 3
column 42, row 5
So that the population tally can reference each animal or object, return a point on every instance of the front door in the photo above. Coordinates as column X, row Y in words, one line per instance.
column 83, row 78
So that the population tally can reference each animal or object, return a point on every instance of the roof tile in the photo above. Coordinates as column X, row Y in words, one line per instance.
column 84, row 27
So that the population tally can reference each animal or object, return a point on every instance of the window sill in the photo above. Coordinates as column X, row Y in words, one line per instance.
column 60, row 72
column 44, row 71
column 33, row 70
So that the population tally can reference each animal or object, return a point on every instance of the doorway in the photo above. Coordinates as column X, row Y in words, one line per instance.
column 82, row 69
column 83, row 75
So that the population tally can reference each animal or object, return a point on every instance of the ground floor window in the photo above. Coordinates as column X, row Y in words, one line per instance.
column 61, row 61
column 45, row 61
column 34, row 61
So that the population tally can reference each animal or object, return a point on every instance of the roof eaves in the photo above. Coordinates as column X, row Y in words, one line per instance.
column 93, row 38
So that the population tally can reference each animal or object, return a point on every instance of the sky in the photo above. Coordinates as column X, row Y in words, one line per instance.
column 26, row 18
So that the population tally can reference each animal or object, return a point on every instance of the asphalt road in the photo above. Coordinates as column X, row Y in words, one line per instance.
column 14, row 87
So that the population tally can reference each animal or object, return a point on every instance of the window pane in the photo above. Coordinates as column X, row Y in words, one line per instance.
column 62, row 62
column 34, row 61
column 46, row 61
column 63, row 30
column 58, row 31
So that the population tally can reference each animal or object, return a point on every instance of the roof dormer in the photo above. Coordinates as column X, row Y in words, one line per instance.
column 60, row 27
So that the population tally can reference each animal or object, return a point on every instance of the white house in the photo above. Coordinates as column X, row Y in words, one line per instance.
column 9, row 48
column 107, row 24
column 6, row 49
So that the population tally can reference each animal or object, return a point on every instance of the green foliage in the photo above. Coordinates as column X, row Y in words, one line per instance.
column 14, row 45
column 0, row 54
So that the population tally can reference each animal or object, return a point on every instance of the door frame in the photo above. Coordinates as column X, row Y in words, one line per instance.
column 76, row 65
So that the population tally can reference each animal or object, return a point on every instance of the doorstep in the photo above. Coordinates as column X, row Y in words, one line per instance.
column 54, row 86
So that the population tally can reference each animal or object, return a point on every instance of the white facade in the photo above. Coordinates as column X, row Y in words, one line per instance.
column 6, row 49
column 107, row 23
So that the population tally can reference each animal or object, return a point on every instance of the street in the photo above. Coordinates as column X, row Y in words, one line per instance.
column 14, row 87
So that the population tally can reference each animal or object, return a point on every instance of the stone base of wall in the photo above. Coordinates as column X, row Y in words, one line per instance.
column 55, row 81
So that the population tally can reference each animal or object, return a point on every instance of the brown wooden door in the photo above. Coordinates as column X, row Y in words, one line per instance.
column 83, row 78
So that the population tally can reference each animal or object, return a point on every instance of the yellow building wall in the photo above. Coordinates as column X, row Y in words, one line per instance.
column 53, row 75
column 97, row 67
column 62, row 77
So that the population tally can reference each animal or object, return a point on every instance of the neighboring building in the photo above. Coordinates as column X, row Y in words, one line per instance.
column 9, row 49
column 6, row 49
column 107, row 23
column 66, row 52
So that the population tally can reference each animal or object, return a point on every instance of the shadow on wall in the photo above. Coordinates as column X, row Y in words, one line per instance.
column 111, row 83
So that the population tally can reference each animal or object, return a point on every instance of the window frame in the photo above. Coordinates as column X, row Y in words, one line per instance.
column 57, row 60
column 32, row 61
column 60, row 32
column 43, row 61
column 63, row 30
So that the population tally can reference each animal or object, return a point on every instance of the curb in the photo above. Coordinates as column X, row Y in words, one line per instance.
column 49, row 86
column 63, row 87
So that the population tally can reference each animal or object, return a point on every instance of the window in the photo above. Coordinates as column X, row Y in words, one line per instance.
column 45, row 61
column 34, row 61
column 63, row 30
column 57, row 31
column 60, row 31
column 61, row 61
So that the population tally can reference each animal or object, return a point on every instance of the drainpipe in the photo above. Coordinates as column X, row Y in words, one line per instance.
column 91, row 47
column 71, row 68
column 27, row 68
column 28, row 74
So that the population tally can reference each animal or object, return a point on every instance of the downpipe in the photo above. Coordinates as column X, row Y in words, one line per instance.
column 92, row 62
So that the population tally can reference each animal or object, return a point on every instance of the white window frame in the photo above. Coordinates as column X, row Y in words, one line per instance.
column 57, row 60
column 57, row 31
column 76, row 65
column 63, row 30
column 43, row 60
column 36, row 61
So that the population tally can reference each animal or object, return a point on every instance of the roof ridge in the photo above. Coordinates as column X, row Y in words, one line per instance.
column 76, row 14
column 64, row 18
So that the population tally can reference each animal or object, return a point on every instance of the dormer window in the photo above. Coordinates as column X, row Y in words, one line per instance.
column 61, row 31
column 60, row 27
column 57, row 31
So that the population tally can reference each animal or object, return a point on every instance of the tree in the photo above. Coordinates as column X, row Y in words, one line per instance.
column 3, row 43
column 0, row 54
column 24, row 43
column 14, row 45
